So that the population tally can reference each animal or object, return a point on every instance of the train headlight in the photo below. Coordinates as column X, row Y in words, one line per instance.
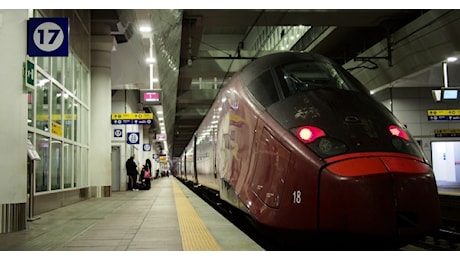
column 401, row 141
column 309, row 134
column 317, row 140
column 399, row 132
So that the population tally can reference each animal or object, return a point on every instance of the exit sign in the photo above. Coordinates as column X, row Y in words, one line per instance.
column 29, row 74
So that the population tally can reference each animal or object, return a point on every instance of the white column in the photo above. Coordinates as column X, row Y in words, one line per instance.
column 13, row 131
column 101, row 100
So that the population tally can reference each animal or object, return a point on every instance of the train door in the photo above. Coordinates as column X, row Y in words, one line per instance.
column 268, row 167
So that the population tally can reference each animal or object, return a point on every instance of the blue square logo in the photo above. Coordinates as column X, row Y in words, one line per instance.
column 48, row 37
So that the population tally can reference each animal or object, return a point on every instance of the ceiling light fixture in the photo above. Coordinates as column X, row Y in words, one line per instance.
column 451, row 59
column 150, row 60
column 444, row 70
column 145, row 28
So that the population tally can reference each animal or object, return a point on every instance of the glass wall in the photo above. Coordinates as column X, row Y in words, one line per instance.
column 42, row 102
column 58, row 110
column 41, row 166
column 55, row 172
column 58, row 120
column 30, row 107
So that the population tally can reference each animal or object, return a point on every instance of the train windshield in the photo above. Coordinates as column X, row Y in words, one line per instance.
column 332, row 112
column 305, row 76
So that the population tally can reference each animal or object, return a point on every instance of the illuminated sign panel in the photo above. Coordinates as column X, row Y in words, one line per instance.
column 132, row 119
column 447, row 132
column 161, row 137
column 163, row 158
column 450, row 94
column 445, row 94
column 151, row 96
column 443, row 114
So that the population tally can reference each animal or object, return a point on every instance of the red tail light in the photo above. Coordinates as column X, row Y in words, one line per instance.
column 308, row 134
column 397, row 131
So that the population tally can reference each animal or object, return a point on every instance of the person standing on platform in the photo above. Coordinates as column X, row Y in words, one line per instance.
column 148, row 167
column 148, row 163
column 131, row 171
column 145, row 178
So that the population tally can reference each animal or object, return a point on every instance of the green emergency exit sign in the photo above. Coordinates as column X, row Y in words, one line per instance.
column 29, row 74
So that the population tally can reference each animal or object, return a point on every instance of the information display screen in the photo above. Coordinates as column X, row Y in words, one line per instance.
column 151, row 97
column 450, row 94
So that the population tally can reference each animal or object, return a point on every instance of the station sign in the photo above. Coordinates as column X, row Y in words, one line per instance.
column 443, row 114
column 56, row 128
column 163, row 158
column 47, row 37
column 447, row 132
column 118, row 133
column 146, row 147
column 132, row 119
column 132, row 138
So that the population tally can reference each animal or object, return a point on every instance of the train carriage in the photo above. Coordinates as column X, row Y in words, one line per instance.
column 298, row 144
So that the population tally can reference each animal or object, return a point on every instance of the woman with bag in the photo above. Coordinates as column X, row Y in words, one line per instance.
column 148, row 163
column 145, row 175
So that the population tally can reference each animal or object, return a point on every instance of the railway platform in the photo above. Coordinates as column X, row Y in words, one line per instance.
column 168, row 217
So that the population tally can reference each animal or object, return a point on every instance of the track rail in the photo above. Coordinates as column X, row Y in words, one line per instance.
column 444, row 240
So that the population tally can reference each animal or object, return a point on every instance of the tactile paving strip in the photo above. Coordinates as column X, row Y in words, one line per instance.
column 194, row 233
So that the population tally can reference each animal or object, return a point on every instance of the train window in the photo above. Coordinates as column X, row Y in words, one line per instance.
column 304, row 76
column 263, row 89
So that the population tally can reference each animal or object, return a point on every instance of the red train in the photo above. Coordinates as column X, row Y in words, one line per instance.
column 300, row 145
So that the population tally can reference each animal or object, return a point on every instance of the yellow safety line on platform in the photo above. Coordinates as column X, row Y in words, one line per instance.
column 194, row 233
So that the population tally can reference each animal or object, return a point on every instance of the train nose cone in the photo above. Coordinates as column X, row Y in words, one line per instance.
column 384, row 195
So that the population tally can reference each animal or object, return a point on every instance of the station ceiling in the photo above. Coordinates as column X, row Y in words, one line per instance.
column 197, row 51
